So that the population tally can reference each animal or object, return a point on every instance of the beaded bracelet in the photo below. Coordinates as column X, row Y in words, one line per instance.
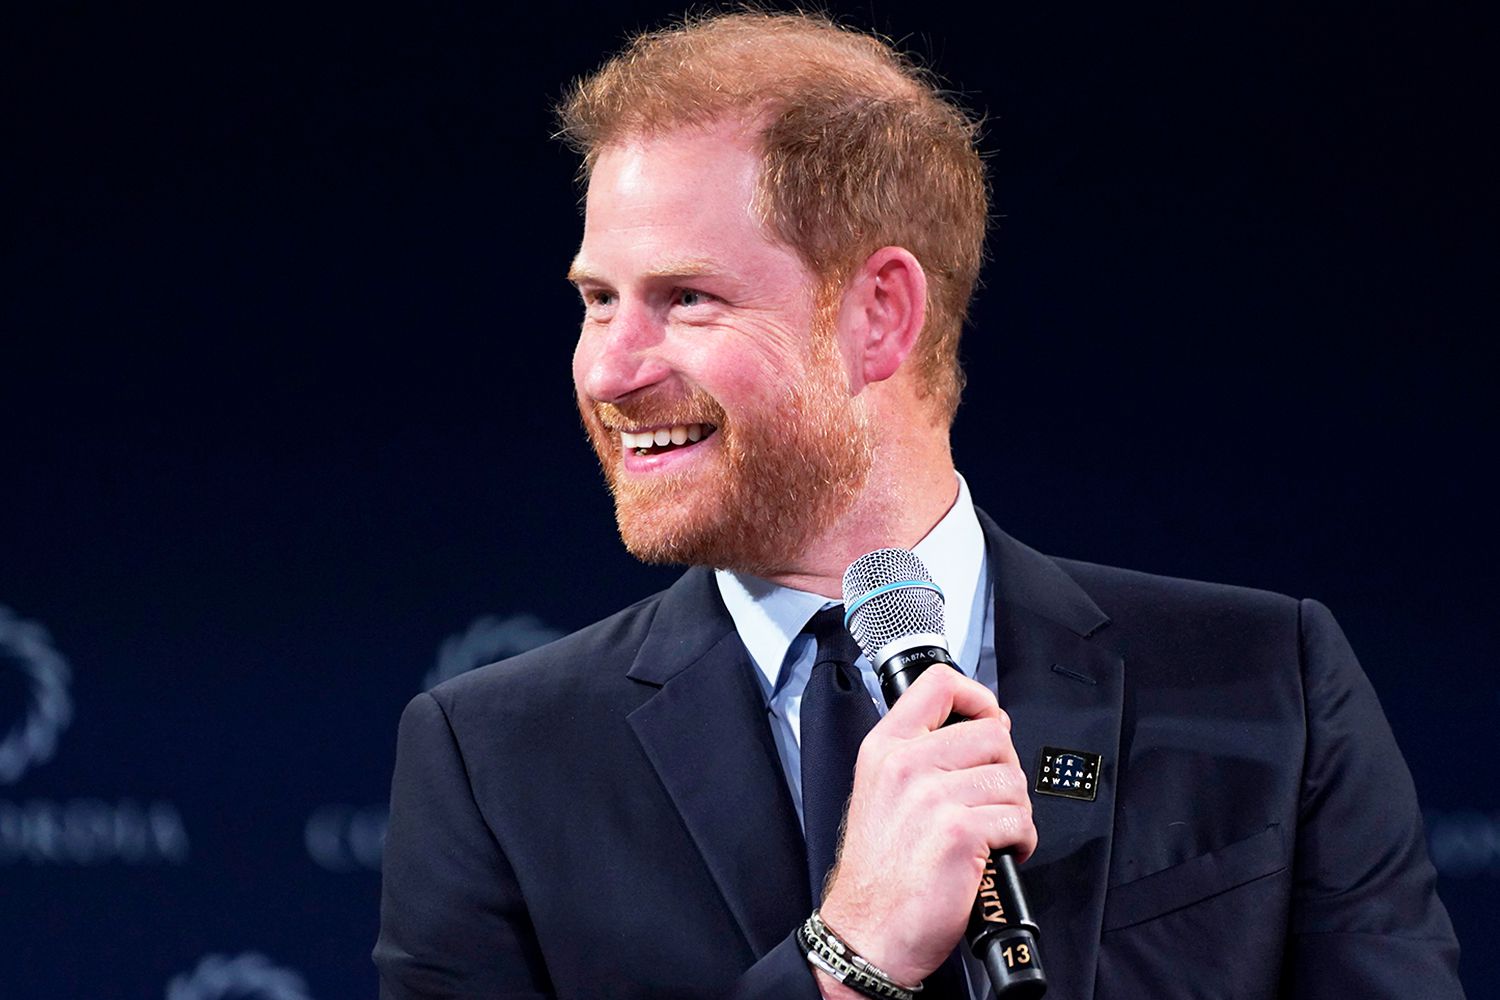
column 829, row 952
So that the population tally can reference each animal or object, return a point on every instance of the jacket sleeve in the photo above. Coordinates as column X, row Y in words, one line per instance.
column 453, row 921
column 782, row 972
column 1366, row 920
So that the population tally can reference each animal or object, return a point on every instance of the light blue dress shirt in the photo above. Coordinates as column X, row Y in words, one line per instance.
column 770, row 619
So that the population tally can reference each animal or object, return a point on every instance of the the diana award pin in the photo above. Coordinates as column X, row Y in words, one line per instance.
column 1072, row 774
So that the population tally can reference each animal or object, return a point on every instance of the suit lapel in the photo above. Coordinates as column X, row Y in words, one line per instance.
column 706, row 733
column 1062, row 688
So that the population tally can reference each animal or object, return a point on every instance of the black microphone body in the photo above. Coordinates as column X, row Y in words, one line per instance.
column 1001, row 932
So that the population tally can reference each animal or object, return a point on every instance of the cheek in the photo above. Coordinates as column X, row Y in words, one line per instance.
column 735, row 383
column 746, row 363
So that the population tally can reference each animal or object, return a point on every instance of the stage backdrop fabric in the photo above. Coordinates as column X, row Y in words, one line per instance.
column 288, row 429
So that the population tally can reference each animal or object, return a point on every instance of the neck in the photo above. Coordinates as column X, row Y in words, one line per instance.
column 910, row 490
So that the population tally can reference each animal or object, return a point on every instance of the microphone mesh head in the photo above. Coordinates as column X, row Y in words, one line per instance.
column 895, row 613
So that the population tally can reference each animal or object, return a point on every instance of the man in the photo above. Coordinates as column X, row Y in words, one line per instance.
column 784, row 224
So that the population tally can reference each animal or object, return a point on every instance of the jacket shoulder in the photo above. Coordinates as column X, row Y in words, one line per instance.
column 1128, row 596
column 591, row 661
column 1176, row 633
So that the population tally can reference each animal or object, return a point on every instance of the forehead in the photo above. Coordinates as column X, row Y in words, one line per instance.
column 685, row 199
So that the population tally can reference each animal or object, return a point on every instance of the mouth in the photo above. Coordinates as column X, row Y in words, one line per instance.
column 660, row 440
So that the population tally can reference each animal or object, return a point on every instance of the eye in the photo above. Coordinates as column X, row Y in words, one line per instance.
column 691, row 297
column 597, row 302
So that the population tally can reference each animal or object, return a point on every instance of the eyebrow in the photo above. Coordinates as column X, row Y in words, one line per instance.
column 674, row 267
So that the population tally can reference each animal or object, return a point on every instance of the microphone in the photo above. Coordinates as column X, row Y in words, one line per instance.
column 894, row 610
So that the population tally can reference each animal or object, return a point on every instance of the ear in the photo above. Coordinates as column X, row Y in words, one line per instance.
column 882, row 312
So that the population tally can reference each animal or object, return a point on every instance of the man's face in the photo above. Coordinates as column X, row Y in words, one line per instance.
column 710, row 386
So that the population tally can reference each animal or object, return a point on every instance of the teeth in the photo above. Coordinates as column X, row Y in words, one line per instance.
column 677, row 434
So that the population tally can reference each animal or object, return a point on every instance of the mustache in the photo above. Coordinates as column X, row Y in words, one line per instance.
column 657, row 409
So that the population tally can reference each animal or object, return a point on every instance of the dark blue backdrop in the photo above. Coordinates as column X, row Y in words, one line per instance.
column 287, row 431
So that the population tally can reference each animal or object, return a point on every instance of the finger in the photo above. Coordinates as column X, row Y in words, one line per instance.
column 963, row 745
column 1007, row 826
column 938, row 693
column 987, row 785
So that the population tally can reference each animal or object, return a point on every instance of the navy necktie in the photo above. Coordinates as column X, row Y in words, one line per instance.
column 836, row 714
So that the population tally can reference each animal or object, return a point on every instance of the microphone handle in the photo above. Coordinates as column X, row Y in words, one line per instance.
column 1001, row 933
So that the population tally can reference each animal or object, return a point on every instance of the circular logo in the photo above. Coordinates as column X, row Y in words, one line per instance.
column 1464, row 843
column 32, row 739
column 488, row 639
column 242, row 977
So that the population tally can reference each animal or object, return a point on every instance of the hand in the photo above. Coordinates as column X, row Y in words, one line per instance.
column 929, row 804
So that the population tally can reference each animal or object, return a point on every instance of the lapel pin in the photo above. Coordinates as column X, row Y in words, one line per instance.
column 1071, row 774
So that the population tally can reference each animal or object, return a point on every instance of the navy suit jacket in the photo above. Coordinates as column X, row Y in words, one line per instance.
column 606, row 816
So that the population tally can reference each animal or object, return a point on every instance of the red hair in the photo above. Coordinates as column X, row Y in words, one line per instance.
column 859, row 150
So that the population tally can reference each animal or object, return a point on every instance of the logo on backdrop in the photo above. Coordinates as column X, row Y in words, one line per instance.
column 82, row 831
column 32, row 739
column 488, row 639
column 1464, row 843
column 347, row 838
column 249, row 976
column 342, row 838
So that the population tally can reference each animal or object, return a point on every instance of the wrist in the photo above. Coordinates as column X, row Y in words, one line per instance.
column 866, row 940
column 840, row 963
column 832, row 989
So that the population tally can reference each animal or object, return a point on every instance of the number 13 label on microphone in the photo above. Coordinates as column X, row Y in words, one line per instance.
column 1016, row 955
column 1072, row 774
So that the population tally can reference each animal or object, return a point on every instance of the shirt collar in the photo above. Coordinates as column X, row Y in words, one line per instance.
column 953, row 552
column 769, row 617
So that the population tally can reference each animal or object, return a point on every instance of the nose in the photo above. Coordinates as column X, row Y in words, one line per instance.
column 618, row 357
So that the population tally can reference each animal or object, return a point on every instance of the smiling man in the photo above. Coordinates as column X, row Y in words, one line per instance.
column 783, row 227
